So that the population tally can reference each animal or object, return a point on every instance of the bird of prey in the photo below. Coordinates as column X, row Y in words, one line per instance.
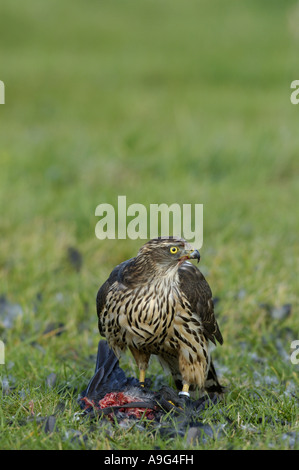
column 160, row 303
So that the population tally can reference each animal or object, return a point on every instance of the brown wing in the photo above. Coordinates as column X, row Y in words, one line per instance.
column 118, row 274
column 196, row 289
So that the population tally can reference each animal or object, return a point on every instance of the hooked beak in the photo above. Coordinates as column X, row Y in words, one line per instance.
column 191, row 254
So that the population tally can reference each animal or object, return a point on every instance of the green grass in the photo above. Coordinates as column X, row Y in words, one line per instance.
column 161, row 102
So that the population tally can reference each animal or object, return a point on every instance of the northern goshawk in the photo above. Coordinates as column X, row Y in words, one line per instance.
column 160, row 303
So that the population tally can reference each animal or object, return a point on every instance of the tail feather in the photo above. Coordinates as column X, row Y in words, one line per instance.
column 211, row 386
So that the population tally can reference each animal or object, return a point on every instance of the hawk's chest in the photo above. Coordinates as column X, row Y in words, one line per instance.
column 145, row 315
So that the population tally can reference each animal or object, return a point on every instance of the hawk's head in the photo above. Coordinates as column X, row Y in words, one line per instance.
column 167, row 252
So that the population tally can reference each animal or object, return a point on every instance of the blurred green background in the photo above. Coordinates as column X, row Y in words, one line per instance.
column 161, row 101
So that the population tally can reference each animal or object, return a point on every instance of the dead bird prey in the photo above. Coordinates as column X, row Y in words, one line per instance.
column 160, row 303
column 110, row 393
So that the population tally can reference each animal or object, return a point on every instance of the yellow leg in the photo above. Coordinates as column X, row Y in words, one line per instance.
column 142, row 377
column 185, row 390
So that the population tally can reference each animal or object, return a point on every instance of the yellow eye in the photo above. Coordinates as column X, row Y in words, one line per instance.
column 173, row 250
